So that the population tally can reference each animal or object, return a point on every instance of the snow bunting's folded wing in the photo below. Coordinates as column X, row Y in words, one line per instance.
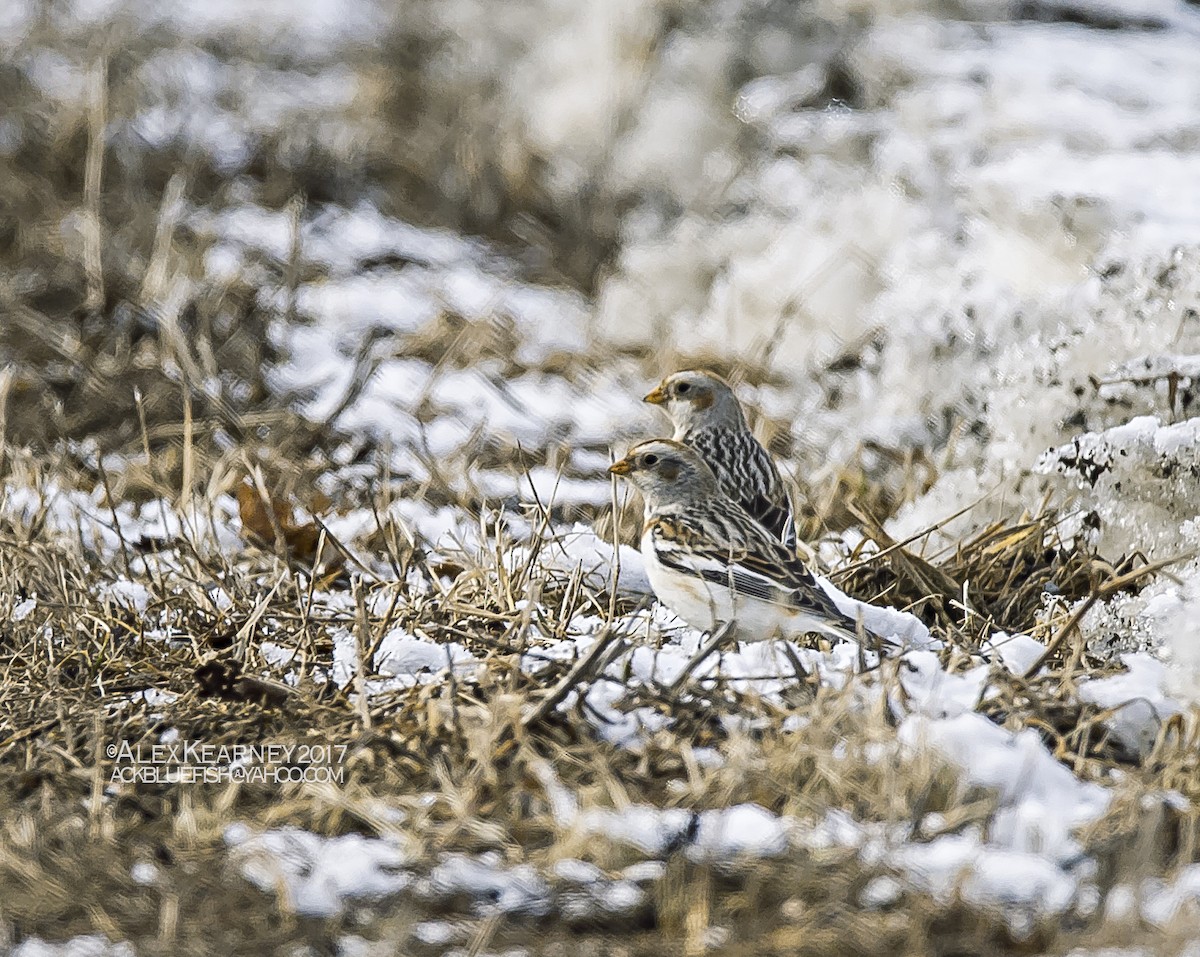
column 775, row 517
column 770, row 574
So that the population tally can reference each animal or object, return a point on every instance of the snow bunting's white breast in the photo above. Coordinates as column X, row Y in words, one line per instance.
column 705, row 604
column 691, row 598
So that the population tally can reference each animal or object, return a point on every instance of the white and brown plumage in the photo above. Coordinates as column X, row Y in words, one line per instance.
column 711, row 563
column 708, row 418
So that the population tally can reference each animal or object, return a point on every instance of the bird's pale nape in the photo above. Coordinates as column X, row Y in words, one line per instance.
column 708, row 418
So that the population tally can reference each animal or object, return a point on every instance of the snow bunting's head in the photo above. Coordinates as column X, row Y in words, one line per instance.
column 695, row 399
column 665, row 471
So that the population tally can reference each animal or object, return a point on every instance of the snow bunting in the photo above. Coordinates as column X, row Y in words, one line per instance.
column 710, row 562
column 708, row 418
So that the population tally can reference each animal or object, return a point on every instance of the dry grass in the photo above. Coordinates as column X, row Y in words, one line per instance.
column 91, row 367
column 466, row 764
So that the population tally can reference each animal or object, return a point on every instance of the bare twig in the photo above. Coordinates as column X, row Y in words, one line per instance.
column 877, row 556
column 717, row 638
column 154, row 282
column 362, row 629
column 1111, row 587
column 93, row 239
column 600, row 652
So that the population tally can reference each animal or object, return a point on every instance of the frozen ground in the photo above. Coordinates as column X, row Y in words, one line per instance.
column 963, row 234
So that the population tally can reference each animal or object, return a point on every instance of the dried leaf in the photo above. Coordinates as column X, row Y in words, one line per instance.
column 263, row 522
column 449, row 570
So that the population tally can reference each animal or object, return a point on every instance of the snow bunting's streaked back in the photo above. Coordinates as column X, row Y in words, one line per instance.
column 708, row 418
column 710, row 562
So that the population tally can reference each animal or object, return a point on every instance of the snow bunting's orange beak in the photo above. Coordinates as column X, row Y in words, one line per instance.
column 621, row 467
column 657, row 397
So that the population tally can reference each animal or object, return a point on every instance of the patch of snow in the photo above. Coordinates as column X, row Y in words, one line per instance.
column 576, row 871
column 932, row 691
column 1017, row 653
column 900, row 628
column 515, row 890
column 580, row 548
column 1137, row 482
column 131, row 595
column 745, row 829
column 435, row 933
column 1158, row 900
column 988, row 876
column 1138, row 698
column 400, row 653
column 1040, row 801
column 145, row 873
column 23, row 609
column 318, row 876
column 92, row 945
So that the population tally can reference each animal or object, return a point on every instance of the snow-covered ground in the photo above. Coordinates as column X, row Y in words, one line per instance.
column 994, row 223
column 1027, row 863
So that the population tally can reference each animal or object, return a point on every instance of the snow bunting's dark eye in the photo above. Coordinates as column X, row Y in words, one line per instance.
column 683, row 387
column 650, row 459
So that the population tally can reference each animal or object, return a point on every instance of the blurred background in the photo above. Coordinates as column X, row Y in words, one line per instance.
column 917, row 233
